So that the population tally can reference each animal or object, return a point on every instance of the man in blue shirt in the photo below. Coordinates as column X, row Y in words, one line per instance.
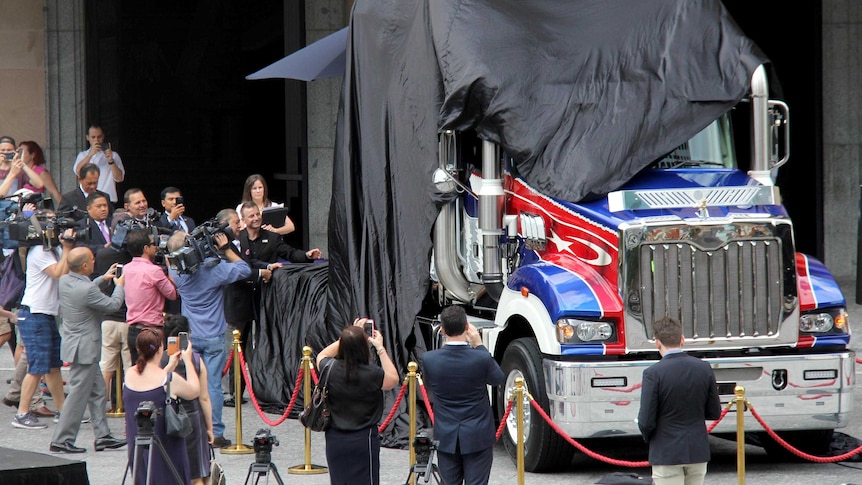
column 202, row 296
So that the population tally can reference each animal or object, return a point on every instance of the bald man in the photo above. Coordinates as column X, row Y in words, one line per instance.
column 82, row 305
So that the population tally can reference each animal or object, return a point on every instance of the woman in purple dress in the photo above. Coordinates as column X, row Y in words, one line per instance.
column 147, row 381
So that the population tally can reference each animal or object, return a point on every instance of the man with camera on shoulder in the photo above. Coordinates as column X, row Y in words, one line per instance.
column 37, row 323
column 201, row 291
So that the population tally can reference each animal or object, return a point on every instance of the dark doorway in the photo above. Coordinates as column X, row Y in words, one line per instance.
column 167, row 81
column 791, row 38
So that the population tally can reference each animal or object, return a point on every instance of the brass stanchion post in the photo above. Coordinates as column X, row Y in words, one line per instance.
column 740, row 433
column 412, row 367
column 237, row 448
column 118, row 411
column 306, row 468
column 519, row 409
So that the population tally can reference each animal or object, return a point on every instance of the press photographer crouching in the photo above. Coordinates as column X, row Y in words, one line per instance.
column 147, row 383
column 201, row 276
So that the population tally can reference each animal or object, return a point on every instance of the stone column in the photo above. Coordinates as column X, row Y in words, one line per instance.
column 64, row 90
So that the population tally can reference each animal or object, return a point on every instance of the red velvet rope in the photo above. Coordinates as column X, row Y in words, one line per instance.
column 801, row 454
column 314, row 376
column 227, row 364
column 394, row 409
column 597, row 456
column 260, row 412
column 503, row 420
column 427, row 402
column 858, row 360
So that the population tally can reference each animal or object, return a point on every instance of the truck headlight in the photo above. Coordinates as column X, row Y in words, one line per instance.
column 823, row 321
column 571, row 330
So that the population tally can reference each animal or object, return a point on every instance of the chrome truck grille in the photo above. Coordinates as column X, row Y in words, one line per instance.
column 731, row 284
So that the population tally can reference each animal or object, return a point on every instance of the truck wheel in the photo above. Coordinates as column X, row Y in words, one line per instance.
column 814, row 442
column 544, row 449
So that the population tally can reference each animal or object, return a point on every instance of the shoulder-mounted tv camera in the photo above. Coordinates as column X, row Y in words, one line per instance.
column 28, row 220
column 200, row 247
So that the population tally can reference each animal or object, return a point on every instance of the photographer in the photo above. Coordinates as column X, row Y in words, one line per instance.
column 459, row 375
column 202, row 294
column 38, row 325
column 355, row 395
column 101, row 154
column 146, row 383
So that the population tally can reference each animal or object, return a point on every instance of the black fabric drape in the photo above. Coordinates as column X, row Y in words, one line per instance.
column 292, row 306
column 581, row 94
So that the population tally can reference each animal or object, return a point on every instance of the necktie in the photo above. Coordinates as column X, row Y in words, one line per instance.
column 104, row 228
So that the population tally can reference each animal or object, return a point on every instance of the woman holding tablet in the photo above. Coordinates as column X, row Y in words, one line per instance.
column 255, row 190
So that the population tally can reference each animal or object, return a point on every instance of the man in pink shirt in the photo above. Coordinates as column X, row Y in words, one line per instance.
column 147, row 287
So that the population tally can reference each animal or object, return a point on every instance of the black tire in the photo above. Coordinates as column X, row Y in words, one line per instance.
column 544, row 449
column 814, row 442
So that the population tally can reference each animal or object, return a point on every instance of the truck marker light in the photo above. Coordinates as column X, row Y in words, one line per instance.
column 525, row 292
column 820, row 375
column 608, row 382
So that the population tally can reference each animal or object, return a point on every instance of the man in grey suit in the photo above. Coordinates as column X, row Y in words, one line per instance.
column 678, row 395
column 82, row 305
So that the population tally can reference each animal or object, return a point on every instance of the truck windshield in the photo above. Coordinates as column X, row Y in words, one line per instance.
column 711, row 148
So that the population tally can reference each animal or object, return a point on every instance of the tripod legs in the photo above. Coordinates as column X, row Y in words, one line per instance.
column 424, row 473
column 263, row 469
column 146, row 443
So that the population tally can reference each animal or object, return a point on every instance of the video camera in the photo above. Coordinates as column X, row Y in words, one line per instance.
column 200, row 247
column 145, row 417
column 263, row 441
column 121, row 230
column 424, row 448
column 20, row 228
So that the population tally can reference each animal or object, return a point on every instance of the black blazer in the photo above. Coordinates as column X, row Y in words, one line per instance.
column 76, row 198
column 458, row 377
column 97, row 240
column 270, row 249
column 679, row 393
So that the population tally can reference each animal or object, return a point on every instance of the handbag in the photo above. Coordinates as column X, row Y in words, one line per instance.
column 216, row 471
column 11, row 282
column 177, row 422
column 315, row 416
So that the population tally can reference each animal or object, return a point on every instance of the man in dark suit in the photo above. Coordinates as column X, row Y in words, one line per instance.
column 82, row 304
column 174, row 217
column 88, row 179
column 98, row 225
column 678, row 394
column 458, row 375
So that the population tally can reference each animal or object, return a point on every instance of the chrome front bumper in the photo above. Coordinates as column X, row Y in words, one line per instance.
column 585, row 410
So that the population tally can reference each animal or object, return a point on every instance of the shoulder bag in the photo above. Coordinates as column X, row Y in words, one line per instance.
column 177, row 420
column 216, row 471
column 315, row 416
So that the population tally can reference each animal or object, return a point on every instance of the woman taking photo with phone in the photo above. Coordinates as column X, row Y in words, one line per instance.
column 34, row 160
column 146, row 382
column 355, row 396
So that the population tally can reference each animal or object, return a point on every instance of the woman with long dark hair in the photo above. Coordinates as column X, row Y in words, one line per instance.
column 255, row 190
column 147, row 381
column 34, row 159
column 355, row 396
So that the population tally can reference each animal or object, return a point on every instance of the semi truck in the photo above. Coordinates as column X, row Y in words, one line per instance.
column 565, row 292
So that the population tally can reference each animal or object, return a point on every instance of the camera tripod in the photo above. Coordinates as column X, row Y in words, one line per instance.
column 425, row 471
column 263, row 469
column 148, row 441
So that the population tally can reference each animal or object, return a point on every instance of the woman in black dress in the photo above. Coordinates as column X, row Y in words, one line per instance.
column 146, row 382
column 355, row 397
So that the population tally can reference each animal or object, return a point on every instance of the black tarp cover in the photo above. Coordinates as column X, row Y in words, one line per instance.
column 582, row 94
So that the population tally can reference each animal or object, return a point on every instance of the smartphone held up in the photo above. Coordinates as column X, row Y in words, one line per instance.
column 369, row 327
